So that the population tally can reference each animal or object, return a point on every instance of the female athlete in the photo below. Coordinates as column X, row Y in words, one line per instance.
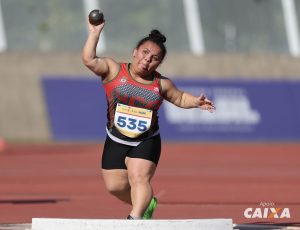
column 134, row 93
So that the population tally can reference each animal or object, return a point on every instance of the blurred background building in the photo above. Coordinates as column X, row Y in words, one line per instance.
column 211, row 39
column 191, row 26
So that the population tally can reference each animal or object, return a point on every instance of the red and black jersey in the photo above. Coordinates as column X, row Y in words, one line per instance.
column 125, row 90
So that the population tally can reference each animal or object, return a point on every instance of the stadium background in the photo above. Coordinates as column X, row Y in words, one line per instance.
column 241, row 40
column 231, row 49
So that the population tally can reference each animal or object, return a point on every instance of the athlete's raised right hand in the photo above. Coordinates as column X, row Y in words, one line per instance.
column 95, row 29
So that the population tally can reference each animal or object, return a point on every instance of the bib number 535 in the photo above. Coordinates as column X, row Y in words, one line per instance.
column 132, row 121
column 132, row 124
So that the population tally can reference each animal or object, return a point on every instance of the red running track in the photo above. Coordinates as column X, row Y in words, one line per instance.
column 215, row 180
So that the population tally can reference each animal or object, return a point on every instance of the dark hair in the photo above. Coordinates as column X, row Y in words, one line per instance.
column 158, row 38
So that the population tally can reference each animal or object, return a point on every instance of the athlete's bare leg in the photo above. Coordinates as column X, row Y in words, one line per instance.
column 140, row 172
column 117, row 183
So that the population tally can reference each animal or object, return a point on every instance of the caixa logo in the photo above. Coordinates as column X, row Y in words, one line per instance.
column 267, row 211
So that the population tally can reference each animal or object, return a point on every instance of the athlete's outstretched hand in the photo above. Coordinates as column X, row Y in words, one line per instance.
column 205, row 104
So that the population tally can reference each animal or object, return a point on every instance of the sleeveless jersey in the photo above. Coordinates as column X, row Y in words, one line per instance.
column 138, row 102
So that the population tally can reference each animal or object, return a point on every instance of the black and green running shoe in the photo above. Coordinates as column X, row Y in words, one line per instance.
column 151, row 207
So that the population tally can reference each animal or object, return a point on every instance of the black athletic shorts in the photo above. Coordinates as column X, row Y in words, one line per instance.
column 114, row 153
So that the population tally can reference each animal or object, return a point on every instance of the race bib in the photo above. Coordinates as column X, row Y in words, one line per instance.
column 132, row 121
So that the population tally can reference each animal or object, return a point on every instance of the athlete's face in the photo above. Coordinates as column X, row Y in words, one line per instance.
column 147, row 58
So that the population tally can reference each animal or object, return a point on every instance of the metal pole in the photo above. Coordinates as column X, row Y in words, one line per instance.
column 291, row 25
column 194, row 26
column 90, row 5
column 3, row 43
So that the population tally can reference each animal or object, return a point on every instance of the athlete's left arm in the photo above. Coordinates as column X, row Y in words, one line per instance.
column 183, row 99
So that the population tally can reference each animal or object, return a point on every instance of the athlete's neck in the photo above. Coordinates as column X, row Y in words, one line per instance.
column 138, row 77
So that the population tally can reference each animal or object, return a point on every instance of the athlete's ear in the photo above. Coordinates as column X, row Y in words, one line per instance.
column 134, row 52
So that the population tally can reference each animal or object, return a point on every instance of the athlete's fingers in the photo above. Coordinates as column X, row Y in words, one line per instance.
column 208, row 107
column 202, row 96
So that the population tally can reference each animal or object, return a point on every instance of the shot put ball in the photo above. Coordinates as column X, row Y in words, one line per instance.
column 96, row 17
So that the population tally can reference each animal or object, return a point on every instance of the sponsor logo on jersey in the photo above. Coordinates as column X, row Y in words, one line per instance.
column 123, row 79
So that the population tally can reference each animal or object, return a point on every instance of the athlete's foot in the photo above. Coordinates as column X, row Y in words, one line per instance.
column 129, row 217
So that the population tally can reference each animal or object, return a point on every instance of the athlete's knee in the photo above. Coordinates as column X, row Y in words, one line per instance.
column 117, row 188
column 136, row 178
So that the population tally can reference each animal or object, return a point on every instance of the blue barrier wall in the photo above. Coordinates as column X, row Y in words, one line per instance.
column 76, row 108
column 246, row 110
